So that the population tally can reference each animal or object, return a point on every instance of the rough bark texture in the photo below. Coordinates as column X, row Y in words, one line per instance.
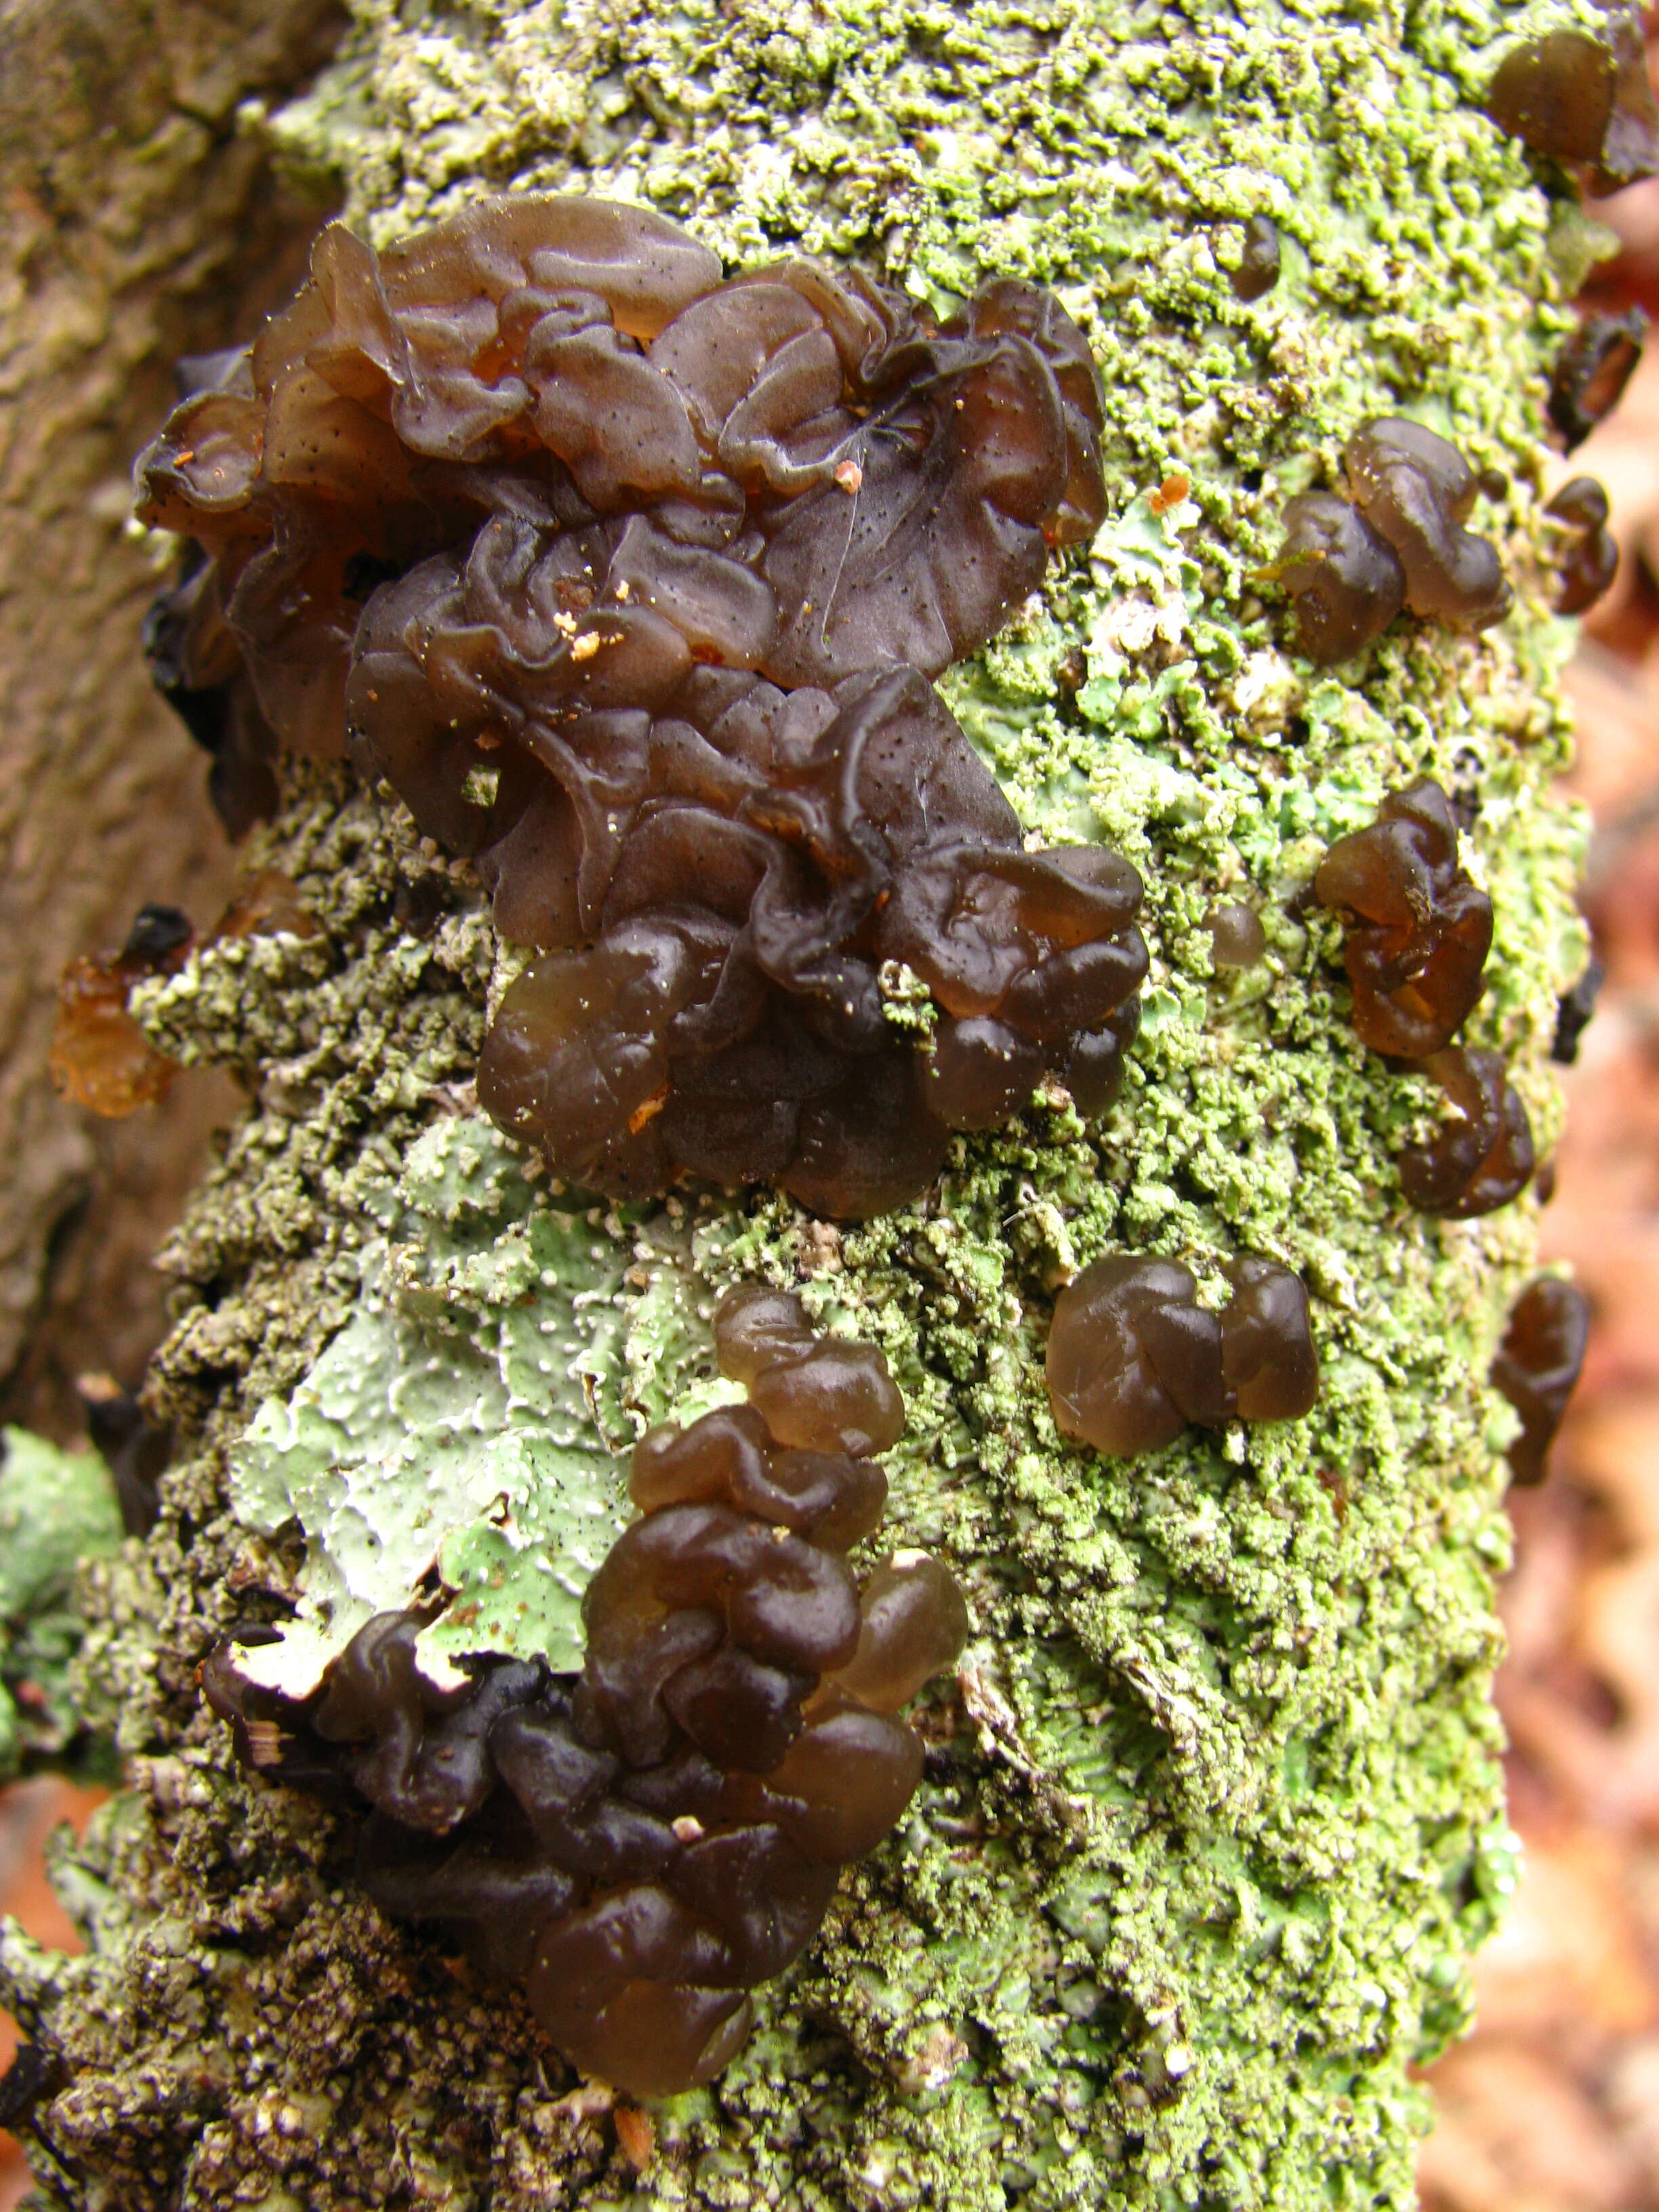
column 1213, row 1817
column 139, row 218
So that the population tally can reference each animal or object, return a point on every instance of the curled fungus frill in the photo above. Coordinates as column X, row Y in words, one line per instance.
column 1594, row 364
column 1484, row 1157
column 1398, row 540
column 1133, row 1358
column 1589, row 555
column 1417, row 929
column 1537, row 1365
column 644, row 1842
column 630, row 581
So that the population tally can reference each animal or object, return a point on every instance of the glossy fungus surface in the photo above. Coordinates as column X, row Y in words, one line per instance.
column 1237, row 937
column 1537, row 1367
column 644, row 1842
column 1416, row 489
column 1417, row 929
column 1583, row 97
column 1133, row 1357
column 1481, row 1159
column 99, row 1057
column 1594, row 364
column 1590, row 556
column 1345, row 578
column 630, row 581
column 1258, row 260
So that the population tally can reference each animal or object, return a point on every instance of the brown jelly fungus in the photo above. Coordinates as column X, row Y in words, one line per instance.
column 644, row 1843
column 1346, row 579
column 99, row 1057
column 1237, row 937
column 1590, row 558
column 1573, row 1012
column 630, row 581
column 1416, row 489
column 1583, row 97
column 1257, row 271
column 1537, row 1367
column 1416, row 928
column 1133, row 1357
column 1483, row 1158
column 1591, row 370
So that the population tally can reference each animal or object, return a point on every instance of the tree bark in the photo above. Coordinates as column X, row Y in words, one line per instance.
column 1213, row 1816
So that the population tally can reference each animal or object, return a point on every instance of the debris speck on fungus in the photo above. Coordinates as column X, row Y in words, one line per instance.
column 630, row 581
column 1418, row 928
column 1133, row 1357
column 645, row 1842
column 1537, row 1367
column 1481, row 1160
column 1590, row 561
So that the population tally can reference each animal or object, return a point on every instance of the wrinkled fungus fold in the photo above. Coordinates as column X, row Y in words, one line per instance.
column 1537, row 1367
column 630, row 581
column 644, row 1842
column 1133, row 1357
column 1483, row 1157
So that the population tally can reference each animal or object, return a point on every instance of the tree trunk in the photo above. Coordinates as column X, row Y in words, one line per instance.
column 1213, row 1815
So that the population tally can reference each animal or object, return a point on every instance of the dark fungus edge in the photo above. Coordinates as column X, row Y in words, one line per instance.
column 631, row 581
column 642, row 1844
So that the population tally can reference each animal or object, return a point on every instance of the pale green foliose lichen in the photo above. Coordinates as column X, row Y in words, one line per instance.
column 1212, row 1818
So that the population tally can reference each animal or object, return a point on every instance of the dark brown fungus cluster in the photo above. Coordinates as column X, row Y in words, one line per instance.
column 1583, row 97
column 631, row 581
column 1417, row 929
column 1537, row 1367
column 1258, row 260
column 1591, row 371
column 1590, row 558
column 1133, row 1357
column 1417, row 932
column 645, row 1842
column 1398, row 540
column 1484, row 1157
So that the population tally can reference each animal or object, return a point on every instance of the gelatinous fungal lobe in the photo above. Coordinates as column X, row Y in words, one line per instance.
column 1484, row 1157
column 1583, row 97
column 1590, row 558
column 1537, row 1367
column 808, row 455
column 721, row 889
column 1574, row 1011
column 1591, row 370
column 1416, row 928
column 99, row 1057
column 644, row 1842
column 1237, row 939
column 1133, row 1357
column 1257, row 271
column 1344, row 576
column 1416, row 489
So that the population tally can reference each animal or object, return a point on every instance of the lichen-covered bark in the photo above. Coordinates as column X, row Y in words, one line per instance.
column 1212, row 1818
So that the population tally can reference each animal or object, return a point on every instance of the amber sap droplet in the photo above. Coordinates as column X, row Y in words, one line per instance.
column 1169, row 493
column 99, row 1057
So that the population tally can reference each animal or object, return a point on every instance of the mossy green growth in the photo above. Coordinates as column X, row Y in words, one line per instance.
column 58, row 1511
column 1212, row 1819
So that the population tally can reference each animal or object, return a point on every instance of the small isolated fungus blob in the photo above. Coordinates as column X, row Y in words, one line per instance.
column 1537, row 1365
column 1416, row 489
column 1482, row 1159
column 1418, row 928
column 1237, row 937
column 1258, row 259
column 630, row 581
column 1133, row 1357
column 1590, row 560
column 1591, row 370
column 644, row 1842
column 1573, row 1012
column 1346, row 579
column 99, row 1057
